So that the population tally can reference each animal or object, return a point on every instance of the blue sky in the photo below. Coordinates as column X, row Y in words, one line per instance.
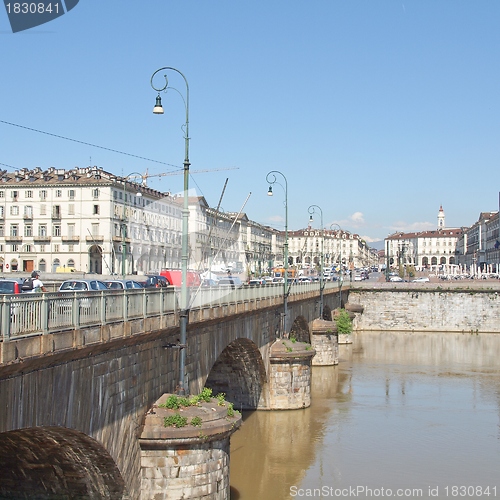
column 376, row 111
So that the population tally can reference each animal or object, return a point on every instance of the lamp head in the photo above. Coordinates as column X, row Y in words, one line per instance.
column 311, row 218
column 158, row 109
column 270, row 191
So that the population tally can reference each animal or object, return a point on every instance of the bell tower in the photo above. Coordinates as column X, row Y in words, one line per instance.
column 441, row 218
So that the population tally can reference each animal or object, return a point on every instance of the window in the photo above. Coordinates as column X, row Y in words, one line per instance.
column 28, row 230
column 14, row 230
column 71, row 247
column 95, row 193
column 28, row 211
column 43, row 209
column 95, row 210
column 43, row 194
column 15, row 194
column 58, row 193
column 56, row 248
column 42, row 266
column 14, row 210
column 2, row 233
column 42, row 230
column 95, row 229
column 71, row 230
column 29, row 194
column 42, row 250
column 13, row 248
column 71, row 194
column 56, row 230
column 2, row 211
column 28, row 248
column 2, row 194
column 71, row 209
column 56, row 211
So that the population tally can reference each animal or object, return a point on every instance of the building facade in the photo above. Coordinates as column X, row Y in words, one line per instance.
column 85, row 219
column 425, row 249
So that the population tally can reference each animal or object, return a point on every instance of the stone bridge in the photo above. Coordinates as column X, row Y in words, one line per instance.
column 74, row 402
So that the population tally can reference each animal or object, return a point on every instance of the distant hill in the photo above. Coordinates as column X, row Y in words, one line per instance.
column 379, row 245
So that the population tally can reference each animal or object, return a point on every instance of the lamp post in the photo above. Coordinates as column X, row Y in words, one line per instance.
column 341, row 268
column 124, row 219
column 312, row 210
column 158, row 109
column 271, row 179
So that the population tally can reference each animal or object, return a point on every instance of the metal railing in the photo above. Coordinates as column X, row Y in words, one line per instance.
column 37, row 314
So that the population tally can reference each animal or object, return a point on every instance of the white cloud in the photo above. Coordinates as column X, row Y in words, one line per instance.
column 410, row 227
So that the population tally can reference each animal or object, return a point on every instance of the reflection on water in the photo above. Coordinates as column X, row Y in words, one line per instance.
column 400, row 410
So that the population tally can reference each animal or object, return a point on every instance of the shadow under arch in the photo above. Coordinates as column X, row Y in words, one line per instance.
column 56, row 462
column 239, row 372
column 327, row 313
column 300, row 330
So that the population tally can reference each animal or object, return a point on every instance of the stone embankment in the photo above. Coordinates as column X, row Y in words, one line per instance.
column 470, row 307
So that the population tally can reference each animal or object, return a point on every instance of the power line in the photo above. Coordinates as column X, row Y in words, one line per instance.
column 86, row 144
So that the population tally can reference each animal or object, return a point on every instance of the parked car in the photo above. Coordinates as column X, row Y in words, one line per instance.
column 230, row 281
column 396, row 278
column 122, row 284
column 257, row 281
column 358, row 277
column 10, row 287
column 421, row 280
column 155, row 281
column 82, row 286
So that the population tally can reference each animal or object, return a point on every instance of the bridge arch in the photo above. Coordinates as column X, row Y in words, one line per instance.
column 300, row 330
column 56, row 462
column 239, row 372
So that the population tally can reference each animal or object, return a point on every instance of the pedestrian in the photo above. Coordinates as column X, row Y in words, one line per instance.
column 36, row 283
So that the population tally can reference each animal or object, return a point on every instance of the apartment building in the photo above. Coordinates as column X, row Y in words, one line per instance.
column 86, row 219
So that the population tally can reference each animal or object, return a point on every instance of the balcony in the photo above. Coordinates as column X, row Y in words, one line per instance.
column 44, row 239
column 28, row 216
column 94, row 238
column 70, row 239
column 56, row 215
column 14, row 239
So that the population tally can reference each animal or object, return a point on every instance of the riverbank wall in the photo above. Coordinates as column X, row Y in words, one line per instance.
column 437, row 310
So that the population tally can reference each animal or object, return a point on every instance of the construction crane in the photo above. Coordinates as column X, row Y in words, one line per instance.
column 144, row 177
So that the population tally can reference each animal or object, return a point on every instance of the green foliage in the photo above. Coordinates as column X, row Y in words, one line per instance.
column 230, row 410
column 196, row 421
column 184, row 402
column 344, row 322
column 175, row 421
column 206, row 395
column 221, row 399
column 172, row 403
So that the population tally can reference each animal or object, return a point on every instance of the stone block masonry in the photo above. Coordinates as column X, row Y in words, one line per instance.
column 467, row 311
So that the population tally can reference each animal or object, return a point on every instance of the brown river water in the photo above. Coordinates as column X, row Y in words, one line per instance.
column 402, row 416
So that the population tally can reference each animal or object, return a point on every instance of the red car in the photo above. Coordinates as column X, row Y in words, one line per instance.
column 9, row 287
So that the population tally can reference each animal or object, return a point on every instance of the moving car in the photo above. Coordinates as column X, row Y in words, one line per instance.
column 9, row 287
column 421, row 280
column 82, row 286
column 122, row 284
column 155, row 281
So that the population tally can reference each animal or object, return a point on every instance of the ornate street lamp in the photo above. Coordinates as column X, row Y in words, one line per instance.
column 312, row 210
column 341, row 267
column 271, row 179
column 158, row 109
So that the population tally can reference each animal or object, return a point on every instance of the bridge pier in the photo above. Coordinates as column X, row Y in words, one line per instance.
column 190, row 461
column 324, row 340
column 290, row 375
